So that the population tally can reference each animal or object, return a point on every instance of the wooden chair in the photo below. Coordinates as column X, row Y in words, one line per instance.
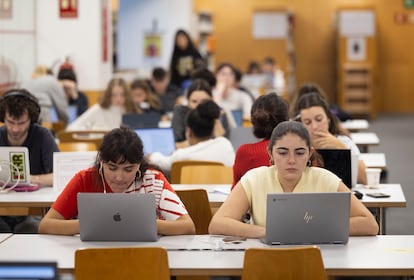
column 294, row 263
column 206, row 174
column 175, row 174
column 58, row 126
column 122, row 263
column 198, row 206
column 77, row 146
column 93, row 136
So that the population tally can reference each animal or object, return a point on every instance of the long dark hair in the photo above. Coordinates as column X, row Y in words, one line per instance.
column 314, row 99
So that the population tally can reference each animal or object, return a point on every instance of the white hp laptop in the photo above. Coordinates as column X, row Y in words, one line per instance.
column 307, row 218
column 117, row 217
column 15, row 168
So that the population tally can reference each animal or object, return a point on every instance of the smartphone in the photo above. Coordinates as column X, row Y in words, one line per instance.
column 378, row 195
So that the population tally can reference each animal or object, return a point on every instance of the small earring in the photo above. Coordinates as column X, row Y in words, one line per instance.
column 309, row 163
column 271, row 161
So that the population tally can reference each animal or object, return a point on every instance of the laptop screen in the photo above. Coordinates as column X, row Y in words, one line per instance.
column 28, row 270
column 157, row 140
column 146, row 120
column 338, row 161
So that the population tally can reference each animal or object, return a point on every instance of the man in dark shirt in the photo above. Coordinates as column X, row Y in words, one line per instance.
column 168, row 94
column 76, row 98
column 19, row 111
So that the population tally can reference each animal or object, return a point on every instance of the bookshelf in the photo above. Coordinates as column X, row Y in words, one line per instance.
column 205, row 34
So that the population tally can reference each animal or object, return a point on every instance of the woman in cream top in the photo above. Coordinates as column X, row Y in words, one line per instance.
column 107, row 115
column 290, row 151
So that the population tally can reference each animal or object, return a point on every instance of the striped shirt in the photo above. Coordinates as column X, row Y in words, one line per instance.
column 168, row 204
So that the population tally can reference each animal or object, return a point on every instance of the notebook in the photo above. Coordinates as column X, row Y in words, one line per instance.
column 15, row 168
column 157, row 140
column 147, row 120
column 307, row 218
column 29, row 270
column 339, row 162
column 67, row 164
column 117, row 217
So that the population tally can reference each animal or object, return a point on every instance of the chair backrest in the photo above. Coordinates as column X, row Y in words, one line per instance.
column 206, row 174
column 175, row 174
column 122, row 263
column 77, row 146
column 197, row 204
column 294, row 263
column 93, row 136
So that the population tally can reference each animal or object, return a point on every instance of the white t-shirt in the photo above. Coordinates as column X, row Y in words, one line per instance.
column 218, row 149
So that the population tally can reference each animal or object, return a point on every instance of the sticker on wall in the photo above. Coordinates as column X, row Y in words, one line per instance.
column 152, row 45
column 356, row 49
column 68, row 8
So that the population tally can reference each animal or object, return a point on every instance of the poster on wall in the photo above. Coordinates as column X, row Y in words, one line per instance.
column 356, row 49
column 270, row 25
column 6, row 9
column 68, row 8
column 152, row 45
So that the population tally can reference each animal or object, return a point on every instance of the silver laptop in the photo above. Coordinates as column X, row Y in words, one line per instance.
column 307, row 218
column 15, row 168
column 117, row 217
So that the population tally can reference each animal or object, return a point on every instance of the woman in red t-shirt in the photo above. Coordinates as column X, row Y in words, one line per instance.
column 120, row 167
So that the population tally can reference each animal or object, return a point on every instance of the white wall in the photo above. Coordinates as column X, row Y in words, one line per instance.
column 135, row 19
column 80, row 38
column 17, row 43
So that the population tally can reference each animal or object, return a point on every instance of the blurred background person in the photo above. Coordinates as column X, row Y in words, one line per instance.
column 107, row 114
column 47, row 89
column 198, row 92
column 267, row 112
column 227, row 95
column 75, row 97
column 144, row 99
column 200, row 123
column 275, row 75
column 168, row 94
column 254, row 67
column 185, row 58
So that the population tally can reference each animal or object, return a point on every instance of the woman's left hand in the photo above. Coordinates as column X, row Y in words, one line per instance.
column 325, row 140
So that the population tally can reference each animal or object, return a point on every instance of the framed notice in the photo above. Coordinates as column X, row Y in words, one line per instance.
column 152, row 45
column 270, row 25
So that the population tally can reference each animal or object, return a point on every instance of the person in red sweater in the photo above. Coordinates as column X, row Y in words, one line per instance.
column 267, row 111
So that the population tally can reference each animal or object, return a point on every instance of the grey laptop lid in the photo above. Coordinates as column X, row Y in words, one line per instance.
column 307, row 218
column 117, row 217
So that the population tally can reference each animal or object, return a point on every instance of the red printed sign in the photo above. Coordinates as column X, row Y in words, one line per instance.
column 68, row 8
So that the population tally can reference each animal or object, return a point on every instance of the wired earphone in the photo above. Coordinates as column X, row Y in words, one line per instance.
column 5, row 186
column 101, row 174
